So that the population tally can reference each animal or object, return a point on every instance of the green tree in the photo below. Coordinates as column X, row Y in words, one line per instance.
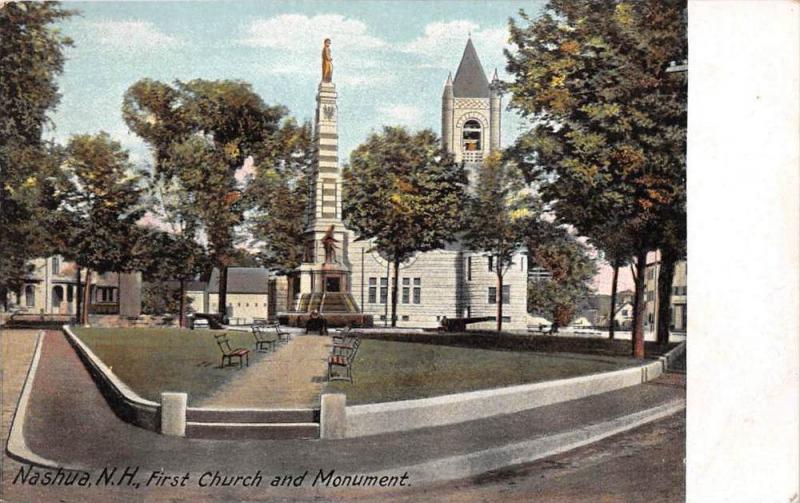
column 31, row 59
column 608, row 124
column 278, row 195
column 571, row 269
column 499, row 216
column 169, row 257
column 201, row 132
column 404, row 192
column 101, row 201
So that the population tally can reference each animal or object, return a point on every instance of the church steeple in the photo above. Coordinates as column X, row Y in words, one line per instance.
column 470, row 81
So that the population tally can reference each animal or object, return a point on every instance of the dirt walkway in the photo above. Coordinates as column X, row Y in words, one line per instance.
column 292, row 376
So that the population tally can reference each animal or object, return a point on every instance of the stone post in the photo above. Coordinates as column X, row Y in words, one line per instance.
column 173, row 414
column 333, row 416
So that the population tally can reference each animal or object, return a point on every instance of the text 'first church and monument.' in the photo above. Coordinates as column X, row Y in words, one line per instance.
column 344, row 279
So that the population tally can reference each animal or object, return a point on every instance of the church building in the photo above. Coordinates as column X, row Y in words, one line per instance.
column 452, row 282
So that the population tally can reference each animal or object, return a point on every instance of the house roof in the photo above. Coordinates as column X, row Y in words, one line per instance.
column 190, row 286
column 241, row 280
column 470, row 81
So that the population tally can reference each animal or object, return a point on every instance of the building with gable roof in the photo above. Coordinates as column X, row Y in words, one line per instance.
column 452, row 282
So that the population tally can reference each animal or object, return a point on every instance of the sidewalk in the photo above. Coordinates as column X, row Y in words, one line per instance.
column 296, row 373
column 65, row 400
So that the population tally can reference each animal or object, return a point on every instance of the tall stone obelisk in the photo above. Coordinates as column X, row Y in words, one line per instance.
column 324, row 274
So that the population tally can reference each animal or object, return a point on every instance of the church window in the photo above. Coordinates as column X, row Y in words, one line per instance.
column 471, row 136
column 373, row 290
column 491, row 263
column 404, row 317
column 469, row 268
column 384, row 289
column 56, row 265
column 417, row 290
column 492, row 296
column 406, row 290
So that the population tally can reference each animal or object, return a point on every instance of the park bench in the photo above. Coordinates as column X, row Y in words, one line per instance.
column 228, row 353
column 283, row 335
column 342, row 358
column 263, row 338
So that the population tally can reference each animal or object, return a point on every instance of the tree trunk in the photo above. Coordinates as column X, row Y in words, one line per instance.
column 86, row 298
column 637, row 338
column 613, row 300
column 182, row 304
column 394, row 292
column 78, row 297
column 665, row 276
column 499, row 296
column 222, row 307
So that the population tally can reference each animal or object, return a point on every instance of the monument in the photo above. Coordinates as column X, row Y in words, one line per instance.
column 323, row 280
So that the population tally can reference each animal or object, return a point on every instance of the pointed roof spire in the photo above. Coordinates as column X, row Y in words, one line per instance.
column 449, row 79
column 495, row 78
column 470, row 81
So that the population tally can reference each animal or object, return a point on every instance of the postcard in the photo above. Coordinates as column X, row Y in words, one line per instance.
column 344, row 251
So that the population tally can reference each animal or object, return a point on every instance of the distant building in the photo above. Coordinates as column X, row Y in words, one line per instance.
column 677, row 308
column 50, row 286
column 247, row 295
column 623, row 318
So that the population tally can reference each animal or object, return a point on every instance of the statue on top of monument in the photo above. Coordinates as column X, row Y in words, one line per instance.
column 327, row 62
column 329, row 243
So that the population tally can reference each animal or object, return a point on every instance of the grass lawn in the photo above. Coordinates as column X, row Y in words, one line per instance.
column 153, row 360
column 387, row 370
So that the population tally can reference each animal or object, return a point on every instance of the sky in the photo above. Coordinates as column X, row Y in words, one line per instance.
column 391, row 59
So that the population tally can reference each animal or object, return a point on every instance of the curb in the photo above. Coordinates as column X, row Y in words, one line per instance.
column 468, row 465
column 16, row 447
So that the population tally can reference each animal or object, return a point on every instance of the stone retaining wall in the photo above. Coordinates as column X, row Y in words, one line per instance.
column 125, row 403
column 374, row 419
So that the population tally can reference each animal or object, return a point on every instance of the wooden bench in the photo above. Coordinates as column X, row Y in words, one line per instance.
column 283, row 335
column 263, row 338
column 228, row 353
column 342, row 358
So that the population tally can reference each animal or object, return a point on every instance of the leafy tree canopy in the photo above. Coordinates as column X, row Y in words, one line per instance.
column 30, row 61
column 404, row 191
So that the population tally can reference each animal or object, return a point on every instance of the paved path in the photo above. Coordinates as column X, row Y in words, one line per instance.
column 17, row 348
column 69, row 422
column 295, row 373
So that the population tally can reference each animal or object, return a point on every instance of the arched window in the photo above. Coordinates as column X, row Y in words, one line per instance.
column 471, row 136
column 56, row 265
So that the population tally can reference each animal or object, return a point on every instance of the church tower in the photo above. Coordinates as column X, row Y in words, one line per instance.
column 471, row 108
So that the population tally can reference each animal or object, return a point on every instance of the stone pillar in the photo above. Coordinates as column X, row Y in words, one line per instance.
column 130, row 294
column 333, row 416
column 173, row 414
column 495, row 105
column 447, row 115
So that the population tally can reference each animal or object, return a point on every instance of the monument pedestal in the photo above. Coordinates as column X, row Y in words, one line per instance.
column 324, row 277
